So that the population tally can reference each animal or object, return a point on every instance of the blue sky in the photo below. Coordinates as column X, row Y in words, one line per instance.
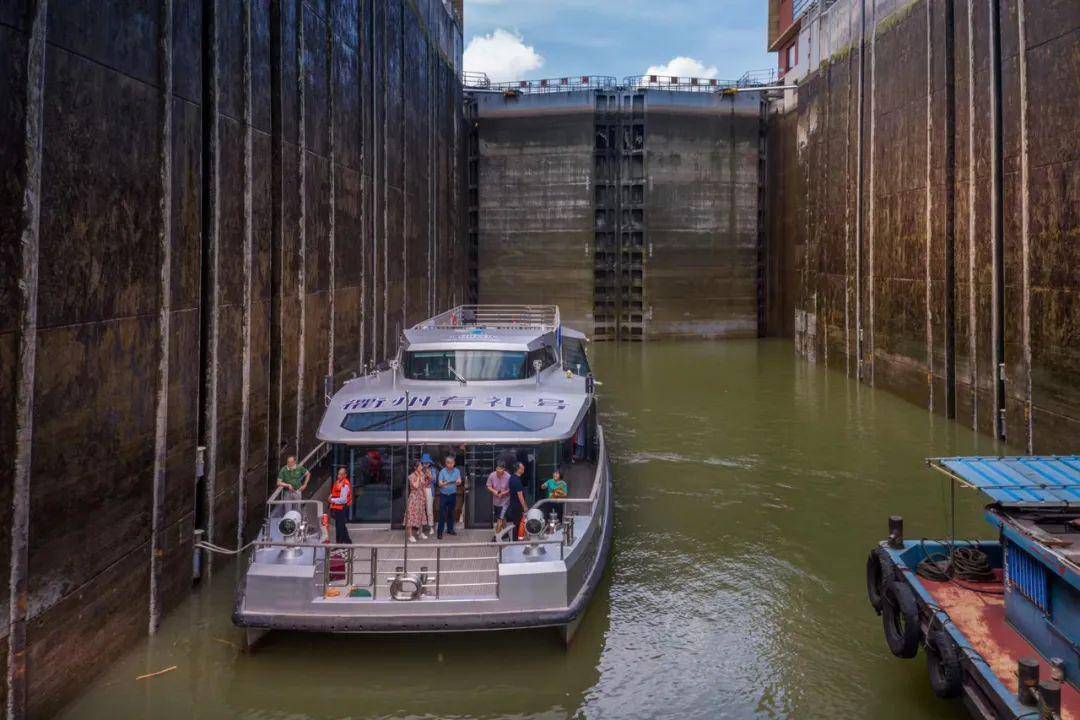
column 553, row 38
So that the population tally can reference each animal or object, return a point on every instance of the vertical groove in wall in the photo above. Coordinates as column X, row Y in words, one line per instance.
column 276, row 330
column 385, row 245
column 847, row 221
column 973, row 346
column 929, row 204
column 363, row 29
column 950, row 211
column 245, row 370
column 824, row 155
column 211, row 252
column 27, row 352
column 161, row 404
column 997, row 292
column 433, row 95
column 405, row 289
column 1025, row 224
column 870, row 182
column 762, row 219
column 859, row 218
column 332, row 260
column 301, row 256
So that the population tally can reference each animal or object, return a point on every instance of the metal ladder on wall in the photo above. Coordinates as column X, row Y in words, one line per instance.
column 619, row 182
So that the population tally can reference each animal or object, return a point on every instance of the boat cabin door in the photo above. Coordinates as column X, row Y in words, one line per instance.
column 375, row 471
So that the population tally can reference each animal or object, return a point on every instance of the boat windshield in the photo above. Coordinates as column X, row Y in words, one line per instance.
column 449, row 420
column 468, row 364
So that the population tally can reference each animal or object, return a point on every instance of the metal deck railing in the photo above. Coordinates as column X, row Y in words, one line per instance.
column 544, row 318
column 556, row 85
column 750, row 79
column 454, row 570
column 476, row 80
column 672, row 82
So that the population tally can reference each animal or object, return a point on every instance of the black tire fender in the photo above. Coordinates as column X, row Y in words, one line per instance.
column 900, row 620
column 943, row 664
column 879, row 572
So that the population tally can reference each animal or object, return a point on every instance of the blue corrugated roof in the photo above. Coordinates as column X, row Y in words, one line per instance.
column 1023, row 480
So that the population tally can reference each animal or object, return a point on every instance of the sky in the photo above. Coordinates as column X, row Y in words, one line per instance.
column 529, row 39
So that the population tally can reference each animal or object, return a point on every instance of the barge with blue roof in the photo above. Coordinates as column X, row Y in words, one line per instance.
column 998, row 620
column 490, row 386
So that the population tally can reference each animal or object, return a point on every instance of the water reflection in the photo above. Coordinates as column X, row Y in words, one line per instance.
column 749, row 487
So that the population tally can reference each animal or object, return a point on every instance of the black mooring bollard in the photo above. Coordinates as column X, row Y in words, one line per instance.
column 896, row 531
column 1049, row 700
column 1027, row 677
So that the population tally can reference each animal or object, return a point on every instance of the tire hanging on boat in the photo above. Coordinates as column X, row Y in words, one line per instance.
column 879, row 572
column 943, row 665
column 900, row 619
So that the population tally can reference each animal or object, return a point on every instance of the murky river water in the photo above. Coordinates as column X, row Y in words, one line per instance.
column 750, row 486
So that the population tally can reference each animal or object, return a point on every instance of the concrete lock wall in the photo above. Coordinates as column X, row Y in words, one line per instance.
column 206, row 209
column 956, row 284
column 637, row 211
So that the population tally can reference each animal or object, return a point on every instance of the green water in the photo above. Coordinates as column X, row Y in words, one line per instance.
column 749, row 487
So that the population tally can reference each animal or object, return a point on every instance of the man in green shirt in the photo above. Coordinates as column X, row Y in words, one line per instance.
column 293, row 479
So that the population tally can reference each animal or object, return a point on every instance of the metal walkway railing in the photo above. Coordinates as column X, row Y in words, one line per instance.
column 504, row 317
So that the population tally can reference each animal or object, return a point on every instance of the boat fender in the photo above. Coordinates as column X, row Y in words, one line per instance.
column 879, row 571
column 405, row 587
column 943, row 664
column 900, row 619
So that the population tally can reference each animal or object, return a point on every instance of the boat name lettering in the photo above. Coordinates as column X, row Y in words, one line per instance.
column 452, row 401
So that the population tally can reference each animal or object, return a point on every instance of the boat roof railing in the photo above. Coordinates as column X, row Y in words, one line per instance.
column 1018, row 481
column 543, row 318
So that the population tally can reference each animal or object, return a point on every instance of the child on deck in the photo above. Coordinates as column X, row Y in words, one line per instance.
column 556, row 489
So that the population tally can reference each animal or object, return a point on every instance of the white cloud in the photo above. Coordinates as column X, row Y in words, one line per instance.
column 503, row 55
column 683, row 67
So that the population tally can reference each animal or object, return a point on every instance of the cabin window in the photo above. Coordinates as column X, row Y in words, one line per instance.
column 449, row 421
column 574, row 357
column 545, row 355
column 468, row 364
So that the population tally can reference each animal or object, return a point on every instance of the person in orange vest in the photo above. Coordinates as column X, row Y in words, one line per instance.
column 340, row 501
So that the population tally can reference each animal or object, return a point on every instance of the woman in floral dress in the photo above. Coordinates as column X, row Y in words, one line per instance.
column 416, row 508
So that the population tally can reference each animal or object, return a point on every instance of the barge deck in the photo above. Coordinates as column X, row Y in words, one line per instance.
column 999, row 621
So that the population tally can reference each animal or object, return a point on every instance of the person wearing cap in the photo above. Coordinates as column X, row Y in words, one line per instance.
column 498, row 484
column 449, row 480
column 429, row 482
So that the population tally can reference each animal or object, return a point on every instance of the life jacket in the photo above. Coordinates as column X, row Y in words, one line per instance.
column 336, row 492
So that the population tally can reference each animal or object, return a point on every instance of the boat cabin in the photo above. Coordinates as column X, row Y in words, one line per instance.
column 482, row 384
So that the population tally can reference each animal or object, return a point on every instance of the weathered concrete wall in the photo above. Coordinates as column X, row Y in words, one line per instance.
column 636, row 211
column 701, row 214
column 893, row 295
column 235, row 200
column 536, row 201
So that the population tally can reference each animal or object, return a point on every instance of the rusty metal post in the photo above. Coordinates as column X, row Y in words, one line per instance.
column 1049, row 700
column 1027, row 678
column 896, row 531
